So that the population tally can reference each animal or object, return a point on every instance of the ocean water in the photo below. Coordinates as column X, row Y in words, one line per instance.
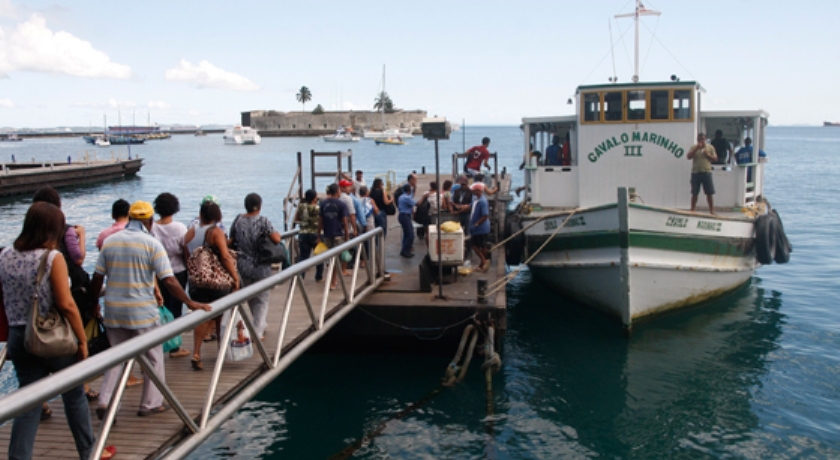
column 753, row 375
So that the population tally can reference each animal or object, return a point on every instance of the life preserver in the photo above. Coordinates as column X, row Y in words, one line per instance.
column 765, row 239
column 515, row 248
column 783, row 246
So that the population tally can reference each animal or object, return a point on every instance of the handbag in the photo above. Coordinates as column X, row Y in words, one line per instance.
column 270, row 253
column 174, row 343
column 205, row 270
column 97, row 338
column 48, row 336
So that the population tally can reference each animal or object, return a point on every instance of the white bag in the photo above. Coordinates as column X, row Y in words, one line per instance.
column 240, row 341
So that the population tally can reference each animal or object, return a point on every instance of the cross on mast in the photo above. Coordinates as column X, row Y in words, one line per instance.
column 640, row 11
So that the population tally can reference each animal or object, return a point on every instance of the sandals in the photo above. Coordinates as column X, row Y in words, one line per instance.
column 153, row 411
column 178, row 354
column 46, row 412
column 196, row 364
column 91, row 395
column 108, row 453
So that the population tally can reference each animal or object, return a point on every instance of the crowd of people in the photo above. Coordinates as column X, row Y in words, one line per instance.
column 143, row 264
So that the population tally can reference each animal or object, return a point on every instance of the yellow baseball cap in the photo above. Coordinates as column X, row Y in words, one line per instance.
column 141, row 210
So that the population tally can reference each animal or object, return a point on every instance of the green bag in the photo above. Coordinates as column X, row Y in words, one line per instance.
column 175, row 342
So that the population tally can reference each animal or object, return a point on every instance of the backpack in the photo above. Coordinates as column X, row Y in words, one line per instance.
column 79, row 282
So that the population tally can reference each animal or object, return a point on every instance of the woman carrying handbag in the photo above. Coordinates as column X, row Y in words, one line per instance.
column 35, row 251
column 211, row 268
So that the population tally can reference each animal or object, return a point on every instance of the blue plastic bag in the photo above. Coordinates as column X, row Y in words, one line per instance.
column 175, row 342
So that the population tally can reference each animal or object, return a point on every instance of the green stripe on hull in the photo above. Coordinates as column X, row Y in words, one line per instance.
column 735, row 247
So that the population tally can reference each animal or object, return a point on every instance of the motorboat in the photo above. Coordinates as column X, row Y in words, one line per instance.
column 102, row 142
column 390, row 141
column 242, row 135
column 613, row 228
column 341, row 135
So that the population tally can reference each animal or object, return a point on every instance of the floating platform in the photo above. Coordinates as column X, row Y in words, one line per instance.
column 20, row 178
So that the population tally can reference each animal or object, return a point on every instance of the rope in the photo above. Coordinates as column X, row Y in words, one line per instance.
column 510, row 276
column 535, row 222
column 415, row 330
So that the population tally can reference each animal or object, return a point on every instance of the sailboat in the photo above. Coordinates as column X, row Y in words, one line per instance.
column 390, row 134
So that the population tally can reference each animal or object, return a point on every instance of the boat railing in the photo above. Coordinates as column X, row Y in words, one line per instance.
column 323, row 316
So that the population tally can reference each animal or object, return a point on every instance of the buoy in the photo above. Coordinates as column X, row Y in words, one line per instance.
column 783, row 246
column 765, row 239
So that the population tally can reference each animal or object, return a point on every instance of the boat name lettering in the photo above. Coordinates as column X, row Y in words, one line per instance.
column 576, row 221
column 674, row 221
column 709, row 226
column 635, row 150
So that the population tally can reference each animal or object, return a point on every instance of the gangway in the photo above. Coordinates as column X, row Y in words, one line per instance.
column 201, row 401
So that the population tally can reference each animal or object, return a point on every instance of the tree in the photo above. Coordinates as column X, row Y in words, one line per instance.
column 384, row 102
column 318, row 110
column 304, row 96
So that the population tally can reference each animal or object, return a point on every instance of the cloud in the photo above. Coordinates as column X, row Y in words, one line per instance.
column 7, row 103
column 193, row 113
column 8, row 10
column 159, row 105
column 35, row 48
column 109, row 104
column 206, row 75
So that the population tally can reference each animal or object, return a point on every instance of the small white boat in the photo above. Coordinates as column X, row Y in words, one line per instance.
column 341, row 135
column 390, row 141
column 102, row 142
column 242, row 135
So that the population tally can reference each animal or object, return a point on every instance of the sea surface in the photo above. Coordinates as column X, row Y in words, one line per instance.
column 753, row 375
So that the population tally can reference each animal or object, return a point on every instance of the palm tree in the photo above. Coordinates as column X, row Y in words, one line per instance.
column 304, row 96
column 383, row 102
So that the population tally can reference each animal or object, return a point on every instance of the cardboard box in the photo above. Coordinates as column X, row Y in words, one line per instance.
column 451, row 246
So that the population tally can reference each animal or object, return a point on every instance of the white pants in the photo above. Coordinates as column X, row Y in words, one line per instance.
column 152, row 397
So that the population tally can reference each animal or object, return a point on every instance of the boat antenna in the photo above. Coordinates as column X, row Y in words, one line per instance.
column 640, row 11
column 612, row 52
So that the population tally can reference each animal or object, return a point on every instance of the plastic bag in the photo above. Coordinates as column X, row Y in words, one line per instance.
column 320, row 248
column 346, row 256
column 450, row 227
column 240, row 342
column 175, row 342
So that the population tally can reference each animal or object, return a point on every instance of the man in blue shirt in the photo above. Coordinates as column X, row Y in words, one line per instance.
column 552, row 153
column 334, row 224
column 480, row 225
column 406, row 205
column 745, row 155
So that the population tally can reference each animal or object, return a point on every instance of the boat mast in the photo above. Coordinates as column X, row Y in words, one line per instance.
column 640, row 11
column 382, row 99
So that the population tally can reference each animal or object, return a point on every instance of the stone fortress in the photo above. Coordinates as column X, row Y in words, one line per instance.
column 274, row 123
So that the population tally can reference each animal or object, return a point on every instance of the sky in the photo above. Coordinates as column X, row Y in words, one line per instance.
column 71, row 63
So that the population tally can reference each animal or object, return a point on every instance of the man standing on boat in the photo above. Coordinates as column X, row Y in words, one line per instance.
column 476, row 156
column 702, row 156
column 723, row 149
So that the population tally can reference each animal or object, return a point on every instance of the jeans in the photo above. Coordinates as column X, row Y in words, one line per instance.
column 408, row 234
column 258, row 305
column 307, row 243
column 381, row 221
column 30, row 368
column 169, row 301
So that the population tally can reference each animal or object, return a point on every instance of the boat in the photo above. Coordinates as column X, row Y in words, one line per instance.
column 200, row 133
column 242, row 135
column 403, row 133
column 614, row 229
column 102, row 142
column 125, row 140
column 25, row 178
column 390, row 141
column 831, row 123
column 10, row 138
column 341, row 135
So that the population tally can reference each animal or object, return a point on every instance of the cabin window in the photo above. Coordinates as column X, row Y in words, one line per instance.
column 592, row 107
column 682, row 104
column 659, row 105
column 612, row 106
column 636, row 105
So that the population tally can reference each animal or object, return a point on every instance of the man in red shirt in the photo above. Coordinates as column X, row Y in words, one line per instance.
column 476, row 156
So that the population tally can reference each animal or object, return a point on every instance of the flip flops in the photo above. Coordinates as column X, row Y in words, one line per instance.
column 148, row 412
column 108, row 453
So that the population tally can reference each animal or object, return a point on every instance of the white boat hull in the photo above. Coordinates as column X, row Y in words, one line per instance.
column 242, row 135
column 340, row 139
column 388, row 133
column 655, row 261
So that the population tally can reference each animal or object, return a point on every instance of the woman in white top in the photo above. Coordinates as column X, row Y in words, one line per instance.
column 171, row 235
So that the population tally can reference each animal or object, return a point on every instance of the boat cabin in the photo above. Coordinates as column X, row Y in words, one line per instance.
column 637, row 135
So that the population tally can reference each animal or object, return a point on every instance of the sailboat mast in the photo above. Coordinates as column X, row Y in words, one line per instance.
column 640, row 11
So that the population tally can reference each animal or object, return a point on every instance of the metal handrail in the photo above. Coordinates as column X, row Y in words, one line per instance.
column 126, row 353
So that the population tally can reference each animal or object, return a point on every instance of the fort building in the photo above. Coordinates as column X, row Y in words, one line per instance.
column 274, row 123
